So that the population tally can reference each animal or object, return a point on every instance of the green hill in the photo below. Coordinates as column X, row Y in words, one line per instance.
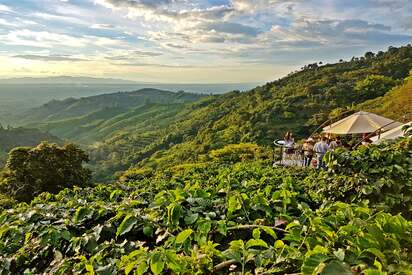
column 151, row 128
column 298, row 102
column 16, row 137
column 396, row 104
column 95, row 118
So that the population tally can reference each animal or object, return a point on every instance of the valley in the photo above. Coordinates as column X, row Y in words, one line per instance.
column 167, row 182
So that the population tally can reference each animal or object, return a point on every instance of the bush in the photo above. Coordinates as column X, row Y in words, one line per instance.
column 380, row 174
column 239, row 152
column 45, row 168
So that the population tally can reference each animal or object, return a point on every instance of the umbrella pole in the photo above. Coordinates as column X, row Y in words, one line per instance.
column 370, row 134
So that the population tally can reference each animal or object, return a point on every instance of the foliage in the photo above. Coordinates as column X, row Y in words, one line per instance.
column 244, row 218
column 263, row 114
column 374, row 86
column 396, row 104
column 380, row 174
column 15, row 137
column 238, row 152
column 160, row 130
column 45, row 168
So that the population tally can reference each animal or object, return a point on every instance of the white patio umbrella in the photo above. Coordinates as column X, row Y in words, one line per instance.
column 361, row 122
column 391, row 134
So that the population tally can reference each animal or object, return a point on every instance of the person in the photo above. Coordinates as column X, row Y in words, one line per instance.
column 335, row 144
column 289, row 142
column 308, row 152
column 366, row 140
column 320, row 148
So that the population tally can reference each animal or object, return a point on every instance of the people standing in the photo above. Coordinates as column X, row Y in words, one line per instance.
column 335, row 144
column 308, row 151
column 320, row 148
column 289, row 140
column 366, row 141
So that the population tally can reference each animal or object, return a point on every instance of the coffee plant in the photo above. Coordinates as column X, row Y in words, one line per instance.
column 242, row 218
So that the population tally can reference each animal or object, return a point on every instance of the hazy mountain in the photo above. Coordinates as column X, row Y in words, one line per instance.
column 94, row 118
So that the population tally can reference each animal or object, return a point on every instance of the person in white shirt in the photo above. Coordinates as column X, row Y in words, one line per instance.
column 320, row 148
column 289, row 142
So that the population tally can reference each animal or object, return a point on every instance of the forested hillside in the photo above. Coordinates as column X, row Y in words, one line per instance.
column 396, row 104
column 298, row 102
column 15, row 137
column 90, row 119
column 152, row 128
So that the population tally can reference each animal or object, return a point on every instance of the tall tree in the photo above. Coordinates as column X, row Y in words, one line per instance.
column 45, row 168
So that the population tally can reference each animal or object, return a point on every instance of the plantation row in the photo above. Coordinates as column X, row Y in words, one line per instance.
column 245, row 218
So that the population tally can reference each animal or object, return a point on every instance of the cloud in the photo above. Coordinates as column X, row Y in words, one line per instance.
column 41, row 39
column 157, row 34
column 309, row 33
column 254, row 6
column 141, row 64
column 167, row 10
column 103, row 26
column 59, row 17
column 229, row 27
column 133, row 55
column 49, row 57
column 5, row 9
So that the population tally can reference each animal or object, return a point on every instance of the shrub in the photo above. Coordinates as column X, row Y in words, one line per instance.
column 45, row 168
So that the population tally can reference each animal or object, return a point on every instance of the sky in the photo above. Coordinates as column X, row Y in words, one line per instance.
column 198, row 41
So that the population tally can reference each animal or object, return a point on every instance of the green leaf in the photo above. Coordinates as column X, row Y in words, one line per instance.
column 156, row 263
column 269, row 231
column 183, row 235
column 191, row 219
column 222, row 227
column 130, row 266
column 374, row 272
column 174, row 213
column 378, row 265
column 314, row 264
column 204, row 227
column 234, row 204
column 66, row 235
column 254, row 242
column 173, row 262
column 82, row 213
column 256, row 233
column 127, row 224
column 90, row 269
column 141, row 268
column 336, row 267
column 340, row 254
column 377, row 253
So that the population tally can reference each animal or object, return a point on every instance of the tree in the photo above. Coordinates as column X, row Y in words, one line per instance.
column 369, row 55
column 45, row 168
column 373, row 86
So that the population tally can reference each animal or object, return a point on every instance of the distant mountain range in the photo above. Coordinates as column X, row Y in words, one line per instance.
column 66, row 80
column 159, row 129
column 91, row 119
